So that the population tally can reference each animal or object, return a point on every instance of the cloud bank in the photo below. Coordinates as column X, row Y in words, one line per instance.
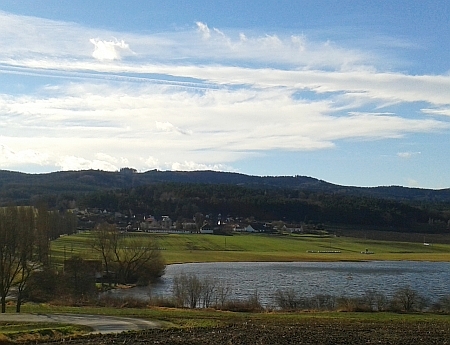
column 197, row 99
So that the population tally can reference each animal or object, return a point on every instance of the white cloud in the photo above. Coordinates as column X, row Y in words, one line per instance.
column 151, row 163
column 8, row 157
column 170, row 128
column 385, row 88
column 407, row 155
column 192, row 166
column 224, row 125
column 154, row 163
column 442, row 112
column 204, row 30
column 122, row 161
column 42, row 39
column 80, row 163
column 412, row 182
column 108, row 50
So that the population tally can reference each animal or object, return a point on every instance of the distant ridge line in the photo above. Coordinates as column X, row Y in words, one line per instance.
column 13, row 183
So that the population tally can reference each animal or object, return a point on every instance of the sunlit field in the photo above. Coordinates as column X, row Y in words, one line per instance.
column 182, row 248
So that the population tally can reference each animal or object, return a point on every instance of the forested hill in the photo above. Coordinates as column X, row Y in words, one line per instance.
column 21, row 188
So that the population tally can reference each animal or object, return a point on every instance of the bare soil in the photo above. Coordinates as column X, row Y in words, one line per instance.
column 310, row 331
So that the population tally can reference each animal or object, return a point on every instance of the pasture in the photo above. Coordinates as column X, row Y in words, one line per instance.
column 183, row 248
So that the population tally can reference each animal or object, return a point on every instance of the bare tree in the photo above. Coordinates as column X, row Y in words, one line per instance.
column 43, row 234
column 407, row 299
column 187, row 290
column 24, row 247
column 223, row 292
column 287, row 299
column 209, row 287
column 26, row 251
column 135, row 259
column 79, row 277
column 9, row 260
column 179, row 292
column 104, row 239
column 191, row 291
column 17, row 248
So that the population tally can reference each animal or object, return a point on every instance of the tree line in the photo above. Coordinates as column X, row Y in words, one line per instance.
column 25, row 234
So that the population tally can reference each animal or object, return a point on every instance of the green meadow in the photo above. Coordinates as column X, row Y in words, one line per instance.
column 183, row 248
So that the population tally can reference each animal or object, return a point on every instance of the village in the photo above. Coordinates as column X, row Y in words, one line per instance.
column 200, row 224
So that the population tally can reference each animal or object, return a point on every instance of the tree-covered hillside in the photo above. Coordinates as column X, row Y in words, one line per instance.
column 183, row 200
column 182, row 194
column 20, row 188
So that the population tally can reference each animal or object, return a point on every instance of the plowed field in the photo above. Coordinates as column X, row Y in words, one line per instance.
column 310, row 331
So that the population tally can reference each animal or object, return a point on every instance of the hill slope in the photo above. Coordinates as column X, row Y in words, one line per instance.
column 21, row 188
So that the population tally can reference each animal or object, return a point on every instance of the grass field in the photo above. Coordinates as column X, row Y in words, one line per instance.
column 182, row 248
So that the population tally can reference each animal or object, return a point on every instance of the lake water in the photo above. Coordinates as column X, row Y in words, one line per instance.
column 431, row 279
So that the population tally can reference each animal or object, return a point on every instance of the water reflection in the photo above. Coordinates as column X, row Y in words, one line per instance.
column 311, row 278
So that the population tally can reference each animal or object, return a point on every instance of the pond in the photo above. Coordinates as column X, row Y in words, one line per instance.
column 350, row 279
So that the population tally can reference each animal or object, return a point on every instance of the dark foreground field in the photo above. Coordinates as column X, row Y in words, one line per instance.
column 310, row 331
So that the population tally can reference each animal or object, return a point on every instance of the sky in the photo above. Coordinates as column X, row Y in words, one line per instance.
column 351, row 92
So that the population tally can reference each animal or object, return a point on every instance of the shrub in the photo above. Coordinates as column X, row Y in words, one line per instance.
column 161, row 301
column 406, row 299
column 370, row 301
column 126, row 302
column 192, row 292
column 287, row 300
column 375, row 301
column 322, row 302
column 442, row 305
column 187, row 290
column 348, row 303
column 42, row 286
column 251, row 304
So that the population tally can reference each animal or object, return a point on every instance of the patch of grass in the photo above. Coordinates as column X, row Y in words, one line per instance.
column 28, row 331
column 181, row 248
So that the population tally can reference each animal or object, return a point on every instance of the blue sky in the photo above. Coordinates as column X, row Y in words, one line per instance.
column 351, row 92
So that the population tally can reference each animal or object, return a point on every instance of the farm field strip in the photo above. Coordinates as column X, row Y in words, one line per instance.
column 180, row 248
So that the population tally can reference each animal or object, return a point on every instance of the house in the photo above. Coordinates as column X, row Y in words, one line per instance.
column 249, row 228
column 258, row 227
column 207, row 229
column 166, row 222
column 294, row 229
column 149, row 223
column 190, row 225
